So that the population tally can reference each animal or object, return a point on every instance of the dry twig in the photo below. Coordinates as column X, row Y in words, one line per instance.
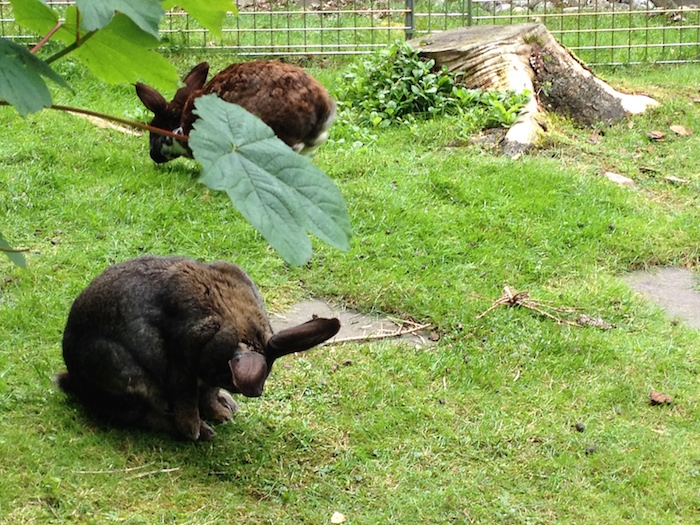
column 512, row 298
column 110, row 471
column 150, row 472
column 129, row 469
column 402, row 330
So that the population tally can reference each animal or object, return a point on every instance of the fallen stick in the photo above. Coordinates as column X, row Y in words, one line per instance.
column 512, row 298
column 398, row 333
column 111, row 471
column 161, row 471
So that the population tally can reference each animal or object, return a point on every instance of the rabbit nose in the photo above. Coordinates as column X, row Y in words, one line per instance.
column 158, row 157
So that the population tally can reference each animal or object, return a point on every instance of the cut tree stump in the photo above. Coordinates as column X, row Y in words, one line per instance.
column 523, row 57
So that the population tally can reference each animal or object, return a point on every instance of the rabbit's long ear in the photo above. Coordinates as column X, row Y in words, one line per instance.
column 194, row 80
column 151, row 98
column 249, row 371
column 301, row 337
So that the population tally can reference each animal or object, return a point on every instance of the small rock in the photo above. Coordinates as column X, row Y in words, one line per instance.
column 676, row 180
column 595, row 322
column 681, row 130
column 659, row 398
column 434, row 336
column 590, row 449
column 337, row 518
column 619, row 179
column 656, row 135
column 580, row 427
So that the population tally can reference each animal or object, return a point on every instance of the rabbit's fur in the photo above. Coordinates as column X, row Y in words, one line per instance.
column 157, row 342
column 289, row 100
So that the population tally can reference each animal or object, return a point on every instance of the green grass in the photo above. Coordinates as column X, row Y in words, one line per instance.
column 479, row 428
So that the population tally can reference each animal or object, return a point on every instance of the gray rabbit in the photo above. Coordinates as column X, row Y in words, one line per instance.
column 156, row 342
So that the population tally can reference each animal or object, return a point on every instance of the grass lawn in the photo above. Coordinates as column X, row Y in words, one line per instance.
column 479, row 428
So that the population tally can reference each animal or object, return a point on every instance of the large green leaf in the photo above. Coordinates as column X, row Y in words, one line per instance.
column 209, row 13
column 34, row 15
column 146, row 14
column 15, row 256
column 20, row 78
column 281, row 193
column 122, row 52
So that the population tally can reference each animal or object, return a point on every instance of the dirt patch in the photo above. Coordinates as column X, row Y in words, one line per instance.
column 352, row 324
column 674, row 289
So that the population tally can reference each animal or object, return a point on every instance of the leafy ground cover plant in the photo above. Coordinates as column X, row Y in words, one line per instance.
column 510, row 418
column 396, row 86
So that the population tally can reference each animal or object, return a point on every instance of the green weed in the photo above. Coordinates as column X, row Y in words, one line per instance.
column 396, row 86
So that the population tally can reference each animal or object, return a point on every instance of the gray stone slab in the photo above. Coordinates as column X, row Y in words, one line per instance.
column 674, row 289
column 352, row 324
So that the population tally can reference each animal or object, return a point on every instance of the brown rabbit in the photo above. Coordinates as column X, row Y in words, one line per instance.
column 289, row 100
column 156, row 342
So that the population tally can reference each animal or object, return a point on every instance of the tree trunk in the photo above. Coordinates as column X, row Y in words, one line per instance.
column 527, row 57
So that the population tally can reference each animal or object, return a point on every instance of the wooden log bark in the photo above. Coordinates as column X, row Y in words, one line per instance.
column 522, row 57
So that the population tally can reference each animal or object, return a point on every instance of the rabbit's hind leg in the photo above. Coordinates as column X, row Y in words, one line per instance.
column 216, row 404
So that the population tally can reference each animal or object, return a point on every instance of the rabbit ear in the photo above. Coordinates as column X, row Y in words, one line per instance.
column 249, row 371
column 194, row 80
column 301, row 337
column 151, row 98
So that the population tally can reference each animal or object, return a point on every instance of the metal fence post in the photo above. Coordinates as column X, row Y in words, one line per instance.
column 410, row 23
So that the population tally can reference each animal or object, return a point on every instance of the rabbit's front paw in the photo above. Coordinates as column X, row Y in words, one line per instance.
column 226, row 401
column 217, row 405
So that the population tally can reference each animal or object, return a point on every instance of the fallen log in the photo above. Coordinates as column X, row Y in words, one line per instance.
column 523, row 57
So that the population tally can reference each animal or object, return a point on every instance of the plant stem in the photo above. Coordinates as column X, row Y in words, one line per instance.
column 104, row 116
column 131, row 123
column 75, row 45
column 43, row 41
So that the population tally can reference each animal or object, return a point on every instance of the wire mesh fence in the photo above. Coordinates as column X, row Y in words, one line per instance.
column 598, row 31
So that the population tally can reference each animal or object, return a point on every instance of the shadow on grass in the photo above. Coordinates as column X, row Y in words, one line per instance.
column 180, row 168
column 236, row 453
